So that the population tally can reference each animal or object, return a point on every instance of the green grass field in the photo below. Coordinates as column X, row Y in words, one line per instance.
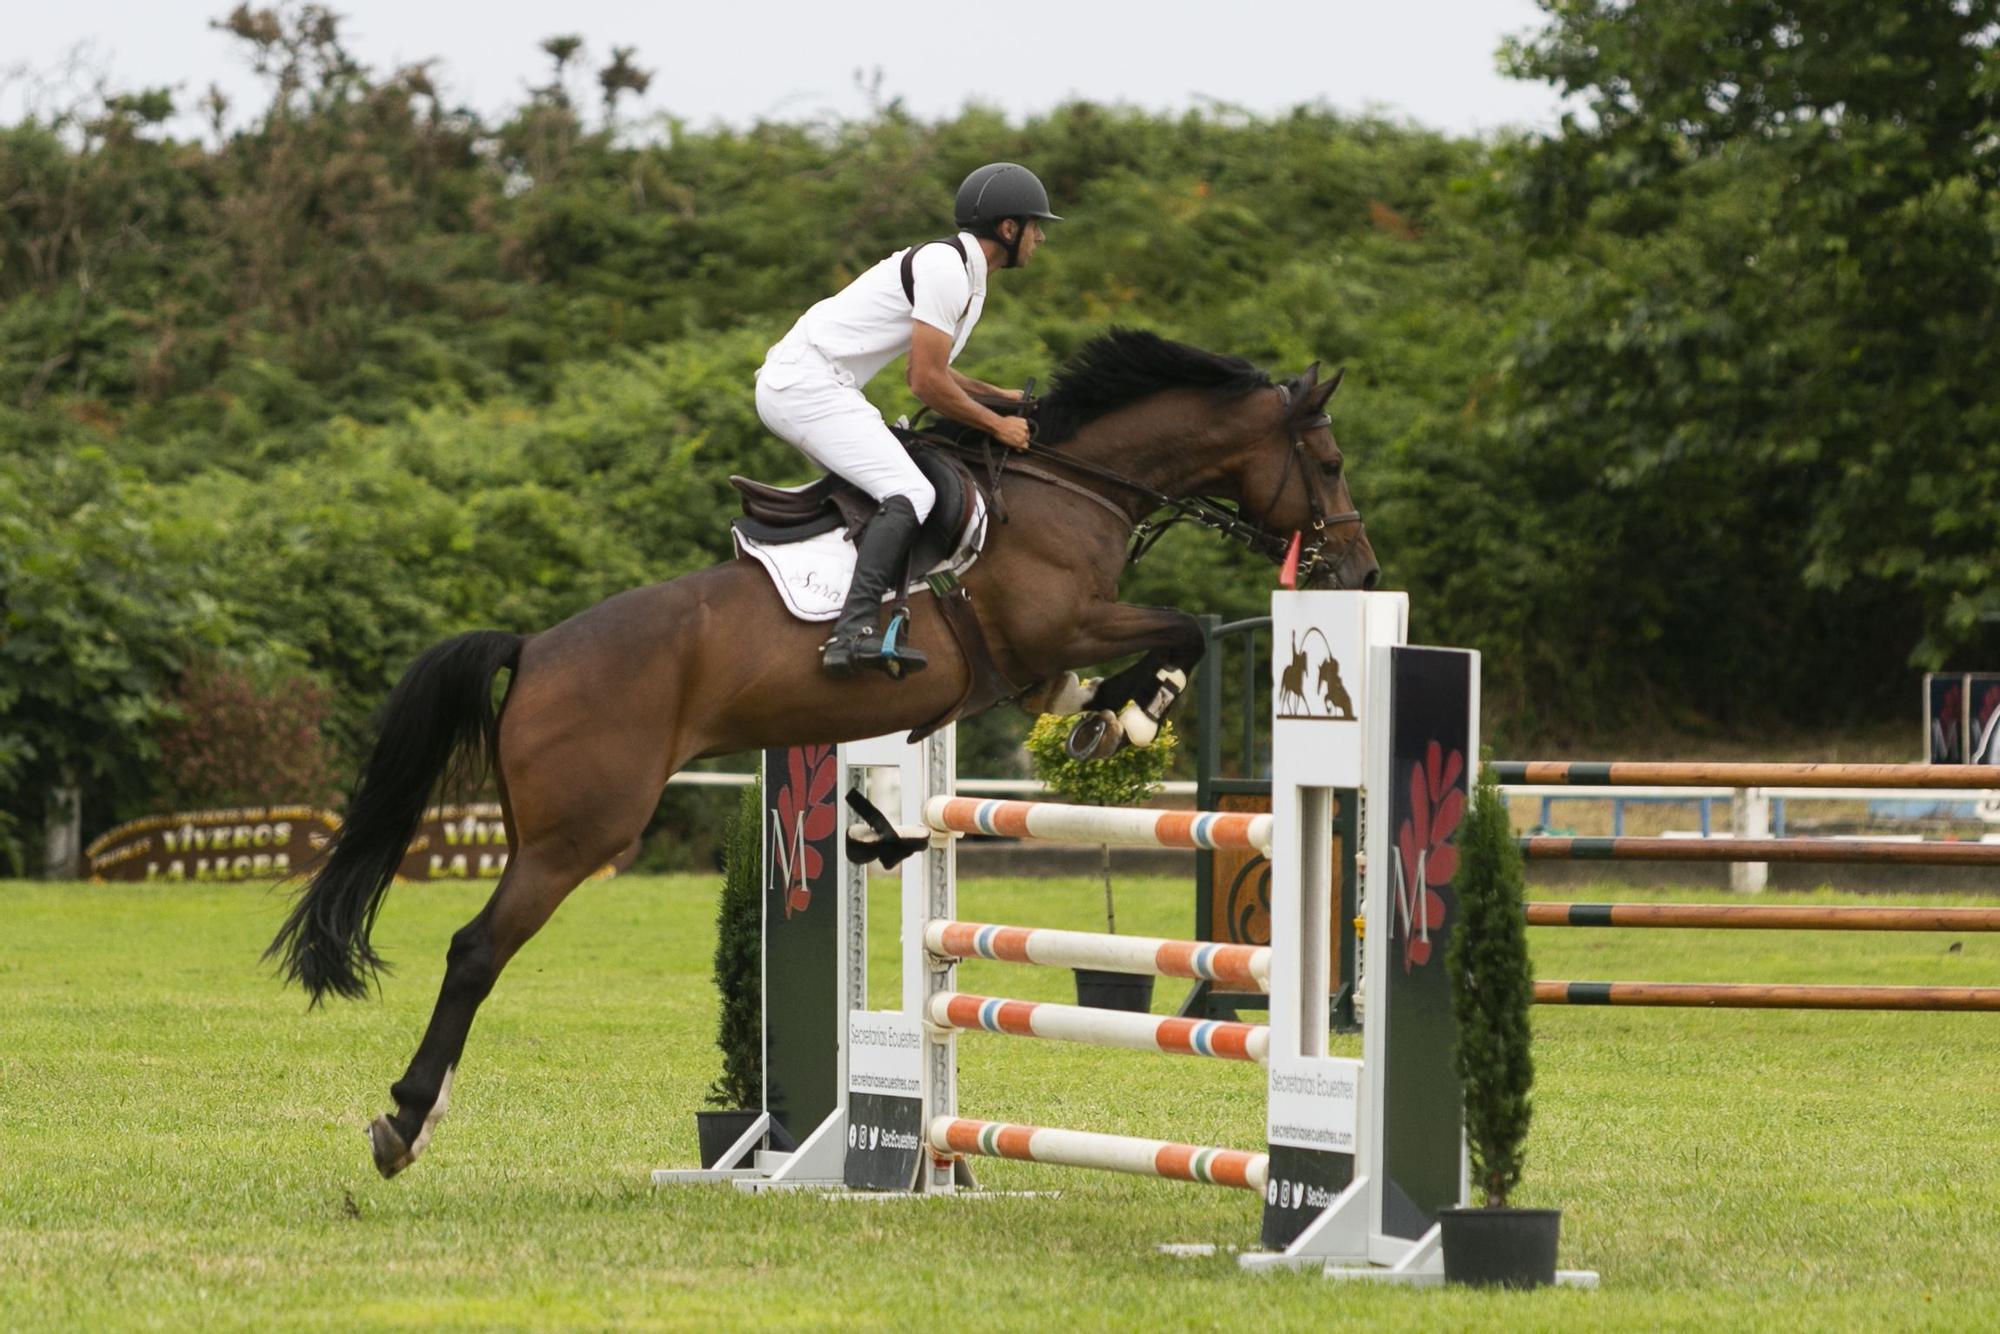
column 181, row 1147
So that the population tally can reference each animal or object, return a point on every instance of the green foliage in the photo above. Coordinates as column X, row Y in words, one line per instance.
column 1130, row 776
column 97, row 617
column 1681, row 415
column 1492, row 986
column 739, row 958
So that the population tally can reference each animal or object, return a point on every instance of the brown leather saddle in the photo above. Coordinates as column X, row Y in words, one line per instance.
column 775, row 515
column 778, row 514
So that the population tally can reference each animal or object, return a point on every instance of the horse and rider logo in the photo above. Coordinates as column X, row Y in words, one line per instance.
column 1310, row 685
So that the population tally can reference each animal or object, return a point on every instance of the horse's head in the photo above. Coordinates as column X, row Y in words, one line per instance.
column 1291, row 480
column 1171, row 423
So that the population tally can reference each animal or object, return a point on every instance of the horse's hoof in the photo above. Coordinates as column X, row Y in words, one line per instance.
column 392, row 1155
column 1096, row 736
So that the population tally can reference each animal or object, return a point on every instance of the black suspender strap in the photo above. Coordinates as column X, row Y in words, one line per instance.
column 910, row 263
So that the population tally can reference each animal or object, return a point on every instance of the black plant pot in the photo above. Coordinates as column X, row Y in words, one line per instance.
column 716, row 1131
column 1500, row 1248
column 1114, row 991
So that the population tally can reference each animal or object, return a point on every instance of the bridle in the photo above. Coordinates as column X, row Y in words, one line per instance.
column 1312, row 560
column 1203, row 511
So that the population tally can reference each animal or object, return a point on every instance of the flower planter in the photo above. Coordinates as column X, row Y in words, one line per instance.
column 1500, row 1248
column 1132, row 992
column 716, row 1131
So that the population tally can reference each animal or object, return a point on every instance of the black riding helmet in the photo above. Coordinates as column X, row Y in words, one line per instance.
column 996, row 192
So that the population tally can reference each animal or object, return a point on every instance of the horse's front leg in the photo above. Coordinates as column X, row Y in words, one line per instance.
column 1129, row 705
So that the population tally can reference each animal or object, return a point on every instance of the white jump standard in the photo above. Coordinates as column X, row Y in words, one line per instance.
column 1362, row 1154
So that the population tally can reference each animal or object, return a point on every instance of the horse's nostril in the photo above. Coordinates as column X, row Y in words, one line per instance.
column 1372, row 578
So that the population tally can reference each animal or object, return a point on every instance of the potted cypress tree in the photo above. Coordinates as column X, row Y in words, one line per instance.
column 1127, row 777
column 1493, row 1244
column 736, row 1097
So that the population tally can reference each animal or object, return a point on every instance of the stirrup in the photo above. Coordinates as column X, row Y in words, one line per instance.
column 887, row 653
column 892, row 652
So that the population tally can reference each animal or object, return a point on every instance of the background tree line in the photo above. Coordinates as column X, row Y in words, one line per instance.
column 1683, row 413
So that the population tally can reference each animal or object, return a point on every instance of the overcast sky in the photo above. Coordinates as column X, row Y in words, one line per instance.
column 1431, row 61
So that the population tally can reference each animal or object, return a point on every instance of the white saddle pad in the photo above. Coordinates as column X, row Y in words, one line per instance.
column 812, row 576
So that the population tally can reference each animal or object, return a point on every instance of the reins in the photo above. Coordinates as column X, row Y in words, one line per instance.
column 1145, row 530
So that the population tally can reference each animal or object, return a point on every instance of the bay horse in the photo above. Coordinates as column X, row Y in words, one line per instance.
column 601, row 709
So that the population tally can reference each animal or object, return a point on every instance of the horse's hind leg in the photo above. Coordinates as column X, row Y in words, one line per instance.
column 552, row 858
column 530, row 890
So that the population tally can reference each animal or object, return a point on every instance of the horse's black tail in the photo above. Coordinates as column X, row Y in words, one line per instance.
column 442, row 709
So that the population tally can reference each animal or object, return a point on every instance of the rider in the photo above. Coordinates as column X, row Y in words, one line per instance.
column 809, row 388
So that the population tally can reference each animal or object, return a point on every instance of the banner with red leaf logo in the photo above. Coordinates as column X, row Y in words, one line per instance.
column 1426, row 858
column 805, row 813
column 802, row 1032
column 1433, row 736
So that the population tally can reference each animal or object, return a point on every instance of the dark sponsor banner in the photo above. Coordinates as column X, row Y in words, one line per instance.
column 885, row 1101
column 1302, row 1185
column 1313, row 1108
column 1944, row 717
column 252, row 843
column 1982, row 721
column 469, row 842
column 885, row 1142
column 802, row 1031
column 1431, row 753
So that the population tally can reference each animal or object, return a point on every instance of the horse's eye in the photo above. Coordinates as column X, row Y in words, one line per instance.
column 1332, row 469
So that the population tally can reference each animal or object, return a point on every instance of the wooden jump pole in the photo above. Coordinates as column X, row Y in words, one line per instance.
column 1702, row 773
column 1763, row 917
column 1110, row 1153
column 1118, row 826
column 1223, row 1039
column 1766, row 996
column 1858, row 852
column 1243, row 966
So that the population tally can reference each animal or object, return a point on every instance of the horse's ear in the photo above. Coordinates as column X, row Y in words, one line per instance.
column 1316, row 399
column 1311, row 377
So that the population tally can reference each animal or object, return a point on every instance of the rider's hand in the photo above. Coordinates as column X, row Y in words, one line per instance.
column 1013, row 432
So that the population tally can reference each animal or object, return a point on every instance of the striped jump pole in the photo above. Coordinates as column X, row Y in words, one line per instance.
column 1704, row 773
column 1120, row 826
column 1109, row 1153
column 1224, row 1040
column 1763, row 917
column 1246, row 967
column 1766, row 996
column 1856, row 851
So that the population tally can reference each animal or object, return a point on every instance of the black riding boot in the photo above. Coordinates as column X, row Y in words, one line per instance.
column 881, row 557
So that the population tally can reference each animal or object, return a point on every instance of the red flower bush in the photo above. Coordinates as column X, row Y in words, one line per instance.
column 239, row 741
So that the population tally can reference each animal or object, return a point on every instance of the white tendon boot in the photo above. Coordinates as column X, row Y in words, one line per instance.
column 1141, row 723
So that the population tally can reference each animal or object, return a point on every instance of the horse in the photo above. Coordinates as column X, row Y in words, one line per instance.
column 601, row 709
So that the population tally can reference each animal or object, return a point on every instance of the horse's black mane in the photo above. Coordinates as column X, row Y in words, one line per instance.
column 1120, row 367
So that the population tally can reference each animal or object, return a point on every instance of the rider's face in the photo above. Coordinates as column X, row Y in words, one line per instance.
column 1031, row 237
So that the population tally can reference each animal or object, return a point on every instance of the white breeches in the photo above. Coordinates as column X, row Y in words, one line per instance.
column 815, row 407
